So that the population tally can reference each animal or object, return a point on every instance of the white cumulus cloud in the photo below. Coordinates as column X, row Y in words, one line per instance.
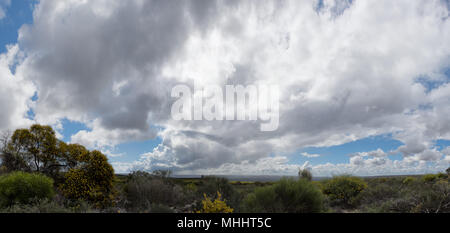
column 347, row 70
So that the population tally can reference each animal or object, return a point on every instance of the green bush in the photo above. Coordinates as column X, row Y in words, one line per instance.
column 430, row 177
column 377, row 194
column 441, row 175
column 24, row 188
column 421, row 197
column 408, row 180
column 210, row 185
column 191, row 187
column 305, row 174
column 144, row 192
column 344, row 190
column 285, row 196
column 406, row 195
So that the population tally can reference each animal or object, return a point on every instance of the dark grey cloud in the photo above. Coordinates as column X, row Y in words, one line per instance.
column 78, row 55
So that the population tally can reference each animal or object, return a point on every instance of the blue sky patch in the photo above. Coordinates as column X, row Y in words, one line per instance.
column 17, row 14
column 341, row 153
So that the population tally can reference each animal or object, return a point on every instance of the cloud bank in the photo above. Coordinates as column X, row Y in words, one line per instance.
column 347, row 70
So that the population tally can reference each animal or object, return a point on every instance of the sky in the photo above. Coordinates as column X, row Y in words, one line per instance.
column 364, row 84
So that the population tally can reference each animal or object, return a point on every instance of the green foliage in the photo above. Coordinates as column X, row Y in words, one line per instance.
column 429, row 177
column 191, row 187
column 441, row 175
column 13, row 162
column 92, row 180
column 305, row 174
column 79, row 173
column 421, row 197
column 210, row 185
column 38, row 150
column 216, row 206
column 408, row 180
column 71, row 154
column 144, row 191
column 344, row 190
column 24, row 188
column 10, row 160
column 406, row 195
column 285, row 196
column 380, row 191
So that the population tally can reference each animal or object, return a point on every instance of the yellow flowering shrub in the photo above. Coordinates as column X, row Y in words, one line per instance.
column 76, row 185
column 91, row 181
column 216, row 206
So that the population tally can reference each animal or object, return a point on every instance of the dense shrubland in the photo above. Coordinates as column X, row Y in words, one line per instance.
column 426, row 194
column 41, row 174
column 286, row 196
column 144, row 192
column 343, row 191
